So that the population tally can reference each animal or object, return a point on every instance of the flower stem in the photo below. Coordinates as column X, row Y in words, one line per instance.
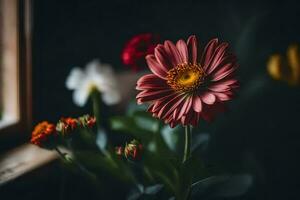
column 95, row 96
column 186, row 156
column 72, row 161
column 61, row 154
column 187, row 144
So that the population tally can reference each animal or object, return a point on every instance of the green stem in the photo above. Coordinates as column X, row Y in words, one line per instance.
column 78, row 165
column 186, row 156
column 61, row 154
column 187, row 144
column 95, row 96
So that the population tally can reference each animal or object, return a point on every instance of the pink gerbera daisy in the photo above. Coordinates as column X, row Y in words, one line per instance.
column 187, row 84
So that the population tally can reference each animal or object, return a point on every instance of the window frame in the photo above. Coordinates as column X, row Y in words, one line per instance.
column 17, row 132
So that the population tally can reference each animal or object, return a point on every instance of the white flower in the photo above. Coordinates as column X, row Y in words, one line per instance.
column 94, row 76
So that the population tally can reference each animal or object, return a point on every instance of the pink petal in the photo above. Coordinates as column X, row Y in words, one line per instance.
column 227, row 82
column 150, row 108
column 192, row 49
column 218, row 57
column 168, row 120
column 163, row 101
column 223, row 73
column 173, row 104
column 183, row 120
column 182, row 48
column 223, row 96
column 150, row 81
column 219, row 88
column 223, row 86
column 208, row 53
column 225, row 67
column 155, row 67
column 162, row 57
column 208, row 98
column 185, row 107
column 146, row 96
column 175, row 114
column 197, row 104
column 174, row 107
column 148, row 78
column 173, row 53
column 145, row 93
column 173, row 124
column 227, row 59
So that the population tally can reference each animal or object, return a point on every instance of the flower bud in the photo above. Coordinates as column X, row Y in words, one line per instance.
column 133, row 150
column 87, row 121
column 66, row 125
column 119, row 150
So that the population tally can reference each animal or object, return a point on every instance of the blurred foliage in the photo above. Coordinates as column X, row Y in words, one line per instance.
column 160, row 173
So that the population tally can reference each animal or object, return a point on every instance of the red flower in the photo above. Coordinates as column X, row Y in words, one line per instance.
column 43, row 134
column 133, row 150
column 87, row 121
column 66, row 125
column 91, row 122
column 188, row 84
column 119, row 150
column 137, row 48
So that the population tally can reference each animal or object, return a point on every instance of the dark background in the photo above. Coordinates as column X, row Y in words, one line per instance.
column 71, row 33
column 263, row 128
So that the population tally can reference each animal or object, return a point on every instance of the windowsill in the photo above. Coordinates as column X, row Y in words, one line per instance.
column 7, row 121
column 22, row 160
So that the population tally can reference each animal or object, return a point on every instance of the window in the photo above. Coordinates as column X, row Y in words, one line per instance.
column 15, row 71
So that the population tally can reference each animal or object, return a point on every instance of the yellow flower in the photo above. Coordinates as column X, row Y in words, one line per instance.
column 287, row 68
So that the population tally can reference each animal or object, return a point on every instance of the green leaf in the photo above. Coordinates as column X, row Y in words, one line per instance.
column 134, row 107
column 236, row 185
column 203, row 186
column 154, row 189
column 101, row 139
column 108, row 163
column 222, row 186
column 163, row 170
column 141, row 191
column 170, row 136
column 200, row 141
column 146, row 121
column 136, row 192
column 129, row 125
column 195, row 168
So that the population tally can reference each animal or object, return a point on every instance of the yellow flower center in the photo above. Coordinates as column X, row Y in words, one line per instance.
column 91, row 88
column 186, row 77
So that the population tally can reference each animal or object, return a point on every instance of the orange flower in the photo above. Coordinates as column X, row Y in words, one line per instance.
column 65, row 125
column 42, row 134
